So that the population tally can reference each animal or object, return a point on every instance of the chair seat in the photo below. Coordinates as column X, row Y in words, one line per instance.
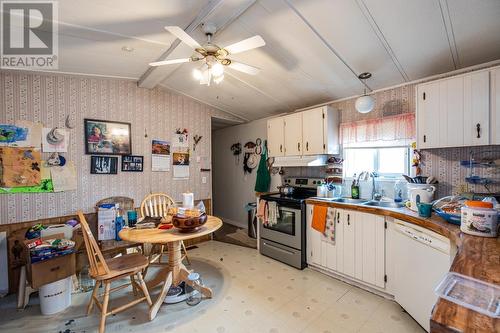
column 122, row 265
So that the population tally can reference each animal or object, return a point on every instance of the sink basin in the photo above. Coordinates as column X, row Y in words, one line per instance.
column 349, row 200
column 385, row 204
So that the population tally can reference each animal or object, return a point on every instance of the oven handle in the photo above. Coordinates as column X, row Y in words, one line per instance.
column 286, row 209
column 277, row 248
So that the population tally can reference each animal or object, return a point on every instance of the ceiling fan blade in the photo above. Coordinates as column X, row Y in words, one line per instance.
column 239, row 66
column 169, row 62
column 246, row 44
column 183, row 36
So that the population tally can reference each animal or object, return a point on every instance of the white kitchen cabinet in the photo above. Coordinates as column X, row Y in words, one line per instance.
column 293, row 134
column 312, row 132
column 495, row 106
column 451, row 112
column 276, row 137
column 427, row 115
column 372, row 239
column 313, row 239
column 320, row 128
column 477, row 108
column 349, row 242
column 455, row 112
column 359, row 248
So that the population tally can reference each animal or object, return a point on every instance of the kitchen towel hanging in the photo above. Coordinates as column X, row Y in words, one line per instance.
column 331, row 216
column 319, row 218
column 263, row 176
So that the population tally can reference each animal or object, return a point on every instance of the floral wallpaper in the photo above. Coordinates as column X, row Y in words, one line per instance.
column 50, row 98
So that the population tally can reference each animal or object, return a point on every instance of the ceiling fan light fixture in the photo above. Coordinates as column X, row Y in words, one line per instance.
column 219, row 79
column 217, row 69
column 197, row 74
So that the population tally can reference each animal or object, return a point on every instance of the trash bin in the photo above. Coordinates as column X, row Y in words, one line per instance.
column 56, row 296
column 252, row 219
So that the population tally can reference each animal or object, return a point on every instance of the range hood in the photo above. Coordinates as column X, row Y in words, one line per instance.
column 300, row 161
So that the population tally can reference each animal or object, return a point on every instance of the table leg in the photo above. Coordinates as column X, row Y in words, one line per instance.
column 184, row 272
column 170, row 276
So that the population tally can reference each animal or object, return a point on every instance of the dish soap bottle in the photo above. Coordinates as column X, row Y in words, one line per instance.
column 355, row 189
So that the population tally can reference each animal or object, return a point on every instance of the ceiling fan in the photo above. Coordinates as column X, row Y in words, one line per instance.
column 215, row 58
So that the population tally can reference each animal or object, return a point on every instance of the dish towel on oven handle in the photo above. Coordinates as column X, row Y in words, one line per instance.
column 262, row 211
column 273, row 213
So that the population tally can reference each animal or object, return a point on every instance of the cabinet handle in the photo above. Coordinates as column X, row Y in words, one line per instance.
column 348, row 219
column 307, row 145
column 425, row 138
column 478, row 129
column 298, row 146
column 338, row 217
column 281, row 148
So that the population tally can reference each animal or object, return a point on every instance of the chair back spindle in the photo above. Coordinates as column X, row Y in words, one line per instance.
column 97, row 263
column 156, row 205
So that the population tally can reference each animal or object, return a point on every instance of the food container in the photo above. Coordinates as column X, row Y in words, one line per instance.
column 479, row 218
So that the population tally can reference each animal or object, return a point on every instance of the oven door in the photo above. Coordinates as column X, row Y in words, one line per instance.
column 287, row 230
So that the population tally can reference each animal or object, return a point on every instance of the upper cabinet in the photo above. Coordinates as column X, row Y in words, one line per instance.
column 310, row 132
column 275, row 137
column 293, row 134
column 455, row 112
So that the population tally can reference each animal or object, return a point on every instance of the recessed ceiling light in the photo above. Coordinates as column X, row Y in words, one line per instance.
column 127, row 48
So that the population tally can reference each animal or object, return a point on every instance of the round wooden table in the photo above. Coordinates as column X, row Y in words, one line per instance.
column 175, row 272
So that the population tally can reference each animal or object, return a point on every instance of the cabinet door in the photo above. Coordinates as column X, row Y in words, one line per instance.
column 476, row 109
column 293, row 134
column 349, row 241
column 428, row 115
column 339, row 243
column 330, row 249
column 276, row 136
column 312, row 132
column 373, row 239
column 451, row 112
column 495, row 107
column 313, row 239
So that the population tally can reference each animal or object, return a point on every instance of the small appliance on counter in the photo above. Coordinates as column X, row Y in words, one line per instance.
column 420, row 193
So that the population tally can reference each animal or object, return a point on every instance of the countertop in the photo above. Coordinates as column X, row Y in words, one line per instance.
column 477, row 257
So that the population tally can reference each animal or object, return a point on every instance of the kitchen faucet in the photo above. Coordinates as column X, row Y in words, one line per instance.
column 375, row 195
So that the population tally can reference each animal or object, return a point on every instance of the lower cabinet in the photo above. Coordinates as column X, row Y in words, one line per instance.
column 358, row 251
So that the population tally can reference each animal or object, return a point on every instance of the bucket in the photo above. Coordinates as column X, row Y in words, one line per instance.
column 56, row 296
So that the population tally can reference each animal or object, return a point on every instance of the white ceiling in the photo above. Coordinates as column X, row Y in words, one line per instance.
column 314, row 48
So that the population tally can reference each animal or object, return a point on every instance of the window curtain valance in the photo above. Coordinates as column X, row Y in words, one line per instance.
column 387, row 131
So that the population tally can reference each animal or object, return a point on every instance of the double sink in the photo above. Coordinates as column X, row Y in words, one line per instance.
column 364, row 202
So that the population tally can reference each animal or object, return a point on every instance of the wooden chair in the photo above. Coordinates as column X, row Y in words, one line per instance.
column 105, row 271
column 158, row 205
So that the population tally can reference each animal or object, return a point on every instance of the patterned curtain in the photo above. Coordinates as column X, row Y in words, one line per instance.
column 386, row 131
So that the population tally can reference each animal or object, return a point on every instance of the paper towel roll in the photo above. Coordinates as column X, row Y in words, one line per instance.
column 188, row 200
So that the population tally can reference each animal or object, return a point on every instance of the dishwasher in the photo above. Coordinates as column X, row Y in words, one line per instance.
column 422, row 258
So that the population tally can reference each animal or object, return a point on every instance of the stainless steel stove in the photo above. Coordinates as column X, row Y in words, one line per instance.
column 286, row 239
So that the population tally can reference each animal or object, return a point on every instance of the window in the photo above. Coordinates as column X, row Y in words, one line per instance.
column 387, row 162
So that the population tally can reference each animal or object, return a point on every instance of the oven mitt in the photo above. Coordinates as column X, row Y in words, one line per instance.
column 319, row 218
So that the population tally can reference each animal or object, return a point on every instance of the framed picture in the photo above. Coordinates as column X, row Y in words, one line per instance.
column 132, row 163
column 107, row 137
column 181, row 158
column 103, row 165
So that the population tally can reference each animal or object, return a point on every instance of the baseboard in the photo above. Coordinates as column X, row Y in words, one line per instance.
column 235, row 223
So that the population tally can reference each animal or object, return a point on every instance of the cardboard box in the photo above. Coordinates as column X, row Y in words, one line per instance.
column 51, row 270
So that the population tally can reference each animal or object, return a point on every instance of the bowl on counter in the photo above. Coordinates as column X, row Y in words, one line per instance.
column 188, row 223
